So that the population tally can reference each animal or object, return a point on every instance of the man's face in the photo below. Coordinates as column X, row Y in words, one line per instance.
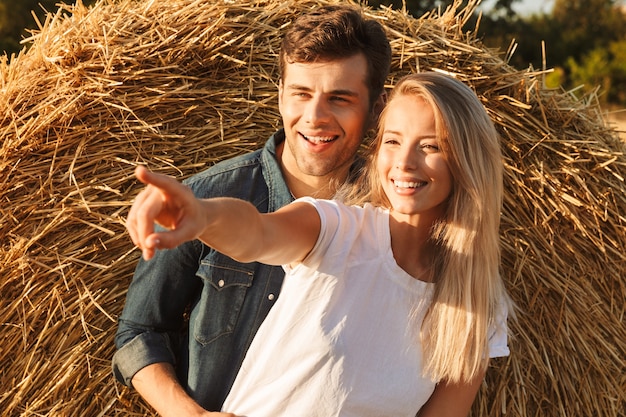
column 325, row 110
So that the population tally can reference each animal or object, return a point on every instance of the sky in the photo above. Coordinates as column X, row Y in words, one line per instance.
column 526, row 7
column 533, row 6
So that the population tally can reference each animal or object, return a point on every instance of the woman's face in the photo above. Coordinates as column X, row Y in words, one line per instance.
column 412, row 169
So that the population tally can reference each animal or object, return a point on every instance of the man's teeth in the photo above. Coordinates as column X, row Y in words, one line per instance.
column 407, row 184
column 319, row 139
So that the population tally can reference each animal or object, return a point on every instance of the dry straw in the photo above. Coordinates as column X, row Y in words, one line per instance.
column 180, row 84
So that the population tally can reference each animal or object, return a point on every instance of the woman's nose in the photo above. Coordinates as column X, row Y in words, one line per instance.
column 406, row 160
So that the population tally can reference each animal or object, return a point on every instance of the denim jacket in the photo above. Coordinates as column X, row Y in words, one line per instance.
column 222, row 301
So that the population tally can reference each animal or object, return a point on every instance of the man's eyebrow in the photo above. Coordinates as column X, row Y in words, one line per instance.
column 338, row 92
column 349, row 93
column 297, row 87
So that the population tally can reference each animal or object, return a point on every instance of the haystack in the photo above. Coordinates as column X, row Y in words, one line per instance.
column 180, row 84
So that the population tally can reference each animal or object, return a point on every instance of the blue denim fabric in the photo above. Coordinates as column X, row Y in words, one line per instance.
column 225, row 301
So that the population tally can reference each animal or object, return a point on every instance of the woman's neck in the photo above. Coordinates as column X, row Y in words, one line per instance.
column 412, row 247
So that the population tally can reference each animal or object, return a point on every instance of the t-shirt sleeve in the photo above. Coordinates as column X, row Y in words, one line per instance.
column 328, row 211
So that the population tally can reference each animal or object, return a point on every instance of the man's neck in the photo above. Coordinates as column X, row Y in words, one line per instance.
column 317, row 187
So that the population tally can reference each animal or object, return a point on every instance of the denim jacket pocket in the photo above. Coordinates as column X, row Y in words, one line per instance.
column 225, row 286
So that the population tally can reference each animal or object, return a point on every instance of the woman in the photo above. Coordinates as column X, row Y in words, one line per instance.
column 393, row 303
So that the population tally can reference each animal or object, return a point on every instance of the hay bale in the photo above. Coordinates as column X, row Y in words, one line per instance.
column 180, row 84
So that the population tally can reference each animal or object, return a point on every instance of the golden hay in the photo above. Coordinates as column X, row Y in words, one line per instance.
column 180, row 84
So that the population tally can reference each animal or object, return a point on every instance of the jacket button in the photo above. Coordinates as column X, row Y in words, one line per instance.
column 270, row 297
column 220, row 283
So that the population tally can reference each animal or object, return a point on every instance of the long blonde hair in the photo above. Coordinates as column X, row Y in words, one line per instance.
column 468, row 287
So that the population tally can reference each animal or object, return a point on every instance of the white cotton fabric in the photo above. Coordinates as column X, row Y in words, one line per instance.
column 343, row 337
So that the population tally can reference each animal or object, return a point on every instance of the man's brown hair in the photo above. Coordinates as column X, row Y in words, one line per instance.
column 336, row 32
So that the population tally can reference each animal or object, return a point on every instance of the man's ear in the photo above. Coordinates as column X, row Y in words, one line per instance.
column 280, row 93
column 377, row 108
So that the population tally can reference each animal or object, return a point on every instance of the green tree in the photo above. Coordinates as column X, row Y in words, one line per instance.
column 590, row 47
column 604, row 68
column 585, row 25
column 501, row 32
column 16, row 18
column 584, row 40
column 419, row 7
column 592, row 71
column 617, row 92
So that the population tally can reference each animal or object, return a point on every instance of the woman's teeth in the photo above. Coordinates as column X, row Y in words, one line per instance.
column 407, row 184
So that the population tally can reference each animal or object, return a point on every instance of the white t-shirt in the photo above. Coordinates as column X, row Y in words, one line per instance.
column 343, row 337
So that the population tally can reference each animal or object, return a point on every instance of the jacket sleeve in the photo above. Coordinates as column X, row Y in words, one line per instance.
column 153, row 320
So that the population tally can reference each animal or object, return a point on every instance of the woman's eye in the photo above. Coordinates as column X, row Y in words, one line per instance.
column 430, row 147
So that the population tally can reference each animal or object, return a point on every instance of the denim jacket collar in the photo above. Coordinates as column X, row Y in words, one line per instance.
column 279, row 193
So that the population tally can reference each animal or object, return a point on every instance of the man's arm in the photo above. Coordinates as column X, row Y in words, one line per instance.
column 151, row 324
column 158, row 385
column 452, row 399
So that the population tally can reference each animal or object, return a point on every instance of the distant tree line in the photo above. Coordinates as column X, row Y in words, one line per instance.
column 17, row 17
column 585, row 40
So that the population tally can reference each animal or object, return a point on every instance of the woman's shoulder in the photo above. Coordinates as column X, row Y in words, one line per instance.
column 340, row 205
column 336, row 214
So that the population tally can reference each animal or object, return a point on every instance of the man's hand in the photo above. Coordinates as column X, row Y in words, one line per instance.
column 168, row 203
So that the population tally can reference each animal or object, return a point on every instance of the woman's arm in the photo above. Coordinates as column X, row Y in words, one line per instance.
column 452, row 399
column 231, row 226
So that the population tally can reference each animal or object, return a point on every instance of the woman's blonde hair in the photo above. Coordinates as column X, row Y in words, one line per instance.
column 468, row 288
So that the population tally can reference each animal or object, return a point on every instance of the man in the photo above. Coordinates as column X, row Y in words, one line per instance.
column 333, row 66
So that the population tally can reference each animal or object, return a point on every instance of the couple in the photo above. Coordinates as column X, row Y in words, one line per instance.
column 374, row 316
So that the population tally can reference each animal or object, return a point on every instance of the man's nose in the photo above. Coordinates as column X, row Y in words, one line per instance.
column 316, row 111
